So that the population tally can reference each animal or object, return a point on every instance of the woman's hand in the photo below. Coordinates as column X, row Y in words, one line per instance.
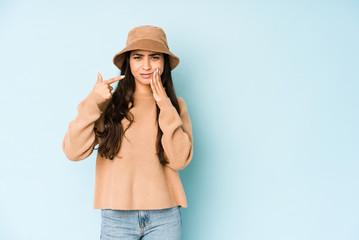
column 158, row 90
column 103, row 87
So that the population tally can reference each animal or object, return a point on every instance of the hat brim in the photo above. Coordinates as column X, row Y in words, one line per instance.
column 145, row 44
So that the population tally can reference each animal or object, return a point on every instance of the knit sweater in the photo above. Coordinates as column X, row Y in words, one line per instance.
column 135, row 178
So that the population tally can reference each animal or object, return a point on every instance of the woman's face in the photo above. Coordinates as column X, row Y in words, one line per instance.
column 143, row 63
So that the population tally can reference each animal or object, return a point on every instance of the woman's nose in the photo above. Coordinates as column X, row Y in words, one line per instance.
column 147, row 64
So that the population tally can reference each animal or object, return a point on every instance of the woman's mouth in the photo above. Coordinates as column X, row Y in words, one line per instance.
column 146, row 75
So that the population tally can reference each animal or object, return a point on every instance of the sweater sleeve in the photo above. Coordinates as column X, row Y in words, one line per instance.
column 177, row 140
column 80, row 138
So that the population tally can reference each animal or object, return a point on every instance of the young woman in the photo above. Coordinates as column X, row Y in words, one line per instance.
column 144, row 137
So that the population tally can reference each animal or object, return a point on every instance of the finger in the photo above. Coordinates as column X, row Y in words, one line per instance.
column 99, row 77
column 153, row 86
column 158, row 76
column 157, row 86
column 112, row 80
column 159, row 80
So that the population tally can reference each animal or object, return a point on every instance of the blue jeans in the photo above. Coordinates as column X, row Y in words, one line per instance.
column 141, row 224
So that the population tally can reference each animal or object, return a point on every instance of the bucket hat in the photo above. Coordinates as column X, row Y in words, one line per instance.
column 146, row 37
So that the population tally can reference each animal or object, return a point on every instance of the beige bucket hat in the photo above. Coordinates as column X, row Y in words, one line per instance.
column 146, row 37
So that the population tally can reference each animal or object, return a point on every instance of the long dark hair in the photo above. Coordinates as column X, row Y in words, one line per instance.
column 119, row 107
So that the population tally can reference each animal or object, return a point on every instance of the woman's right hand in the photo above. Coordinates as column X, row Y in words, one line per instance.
column 103, row 87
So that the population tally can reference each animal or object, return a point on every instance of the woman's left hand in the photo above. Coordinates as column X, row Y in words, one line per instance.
column 159, row 93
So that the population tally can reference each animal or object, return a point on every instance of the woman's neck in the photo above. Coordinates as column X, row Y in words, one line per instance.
column 143, row 92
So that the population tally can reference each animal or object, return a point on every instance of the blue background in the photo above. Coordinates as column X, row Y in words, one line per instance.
column 272, row 92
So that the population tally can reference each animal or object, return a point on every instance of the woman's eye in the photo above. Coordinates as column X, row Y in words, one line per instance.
column 140, row 57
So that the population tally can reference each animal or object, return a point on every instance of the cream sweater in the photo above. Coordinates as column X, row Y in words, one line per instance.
column 136, row 180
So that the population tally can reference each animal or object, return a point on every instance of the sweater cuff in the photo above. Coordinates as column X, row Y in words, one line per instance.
column 164, row 103
column 98, row 99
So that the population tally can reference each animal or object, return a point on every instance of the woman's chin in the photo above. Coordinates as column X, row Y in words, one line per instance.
column 144, row 81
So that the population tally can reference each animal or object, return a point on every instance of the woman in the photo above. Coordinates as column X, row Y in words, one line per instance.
column 144, row 137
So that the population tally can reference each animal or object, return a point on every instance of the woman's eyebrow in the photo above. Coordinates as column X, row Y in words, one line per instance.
column 149, row 55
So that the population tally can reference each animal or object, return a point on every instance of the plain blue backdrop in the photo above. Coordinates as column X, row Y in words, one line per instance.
column 272, row 92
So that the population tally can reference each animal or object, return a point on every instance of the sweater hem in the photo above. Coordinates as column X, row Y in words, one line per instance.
column 120, row 208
